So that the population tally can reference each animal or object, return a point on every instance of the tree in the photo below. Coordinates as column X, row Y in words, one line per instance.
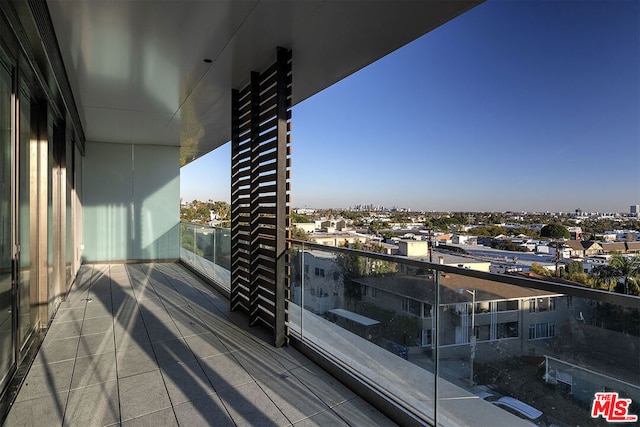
column 375, row 227
column 489, row 231
column 574, row 271
column 628, row 270
column 574, row 267
column 605, row 277
column 555, row 231
column 297, row 218
column 354, row 265
column 299, row 234
column 507, row 245
column 222, row 209
column 620, row 268
column 538, row 269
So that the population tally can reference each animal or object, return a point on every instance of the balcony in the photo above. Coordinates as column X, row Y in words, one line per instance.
column 143, row 344
column 370, row 318
column 154, row 343
column 99, row 112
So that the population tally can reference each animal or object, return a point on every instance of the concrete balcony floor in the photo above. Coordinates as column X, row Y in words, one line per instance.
column 151, row 344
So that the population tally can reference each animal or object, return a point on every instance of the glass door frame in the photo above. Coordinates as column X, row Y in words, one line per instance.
column 9, row 67
column 28, row 158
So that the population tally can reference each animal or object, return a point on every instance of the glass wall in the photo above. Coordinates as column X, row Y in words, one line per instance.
column 131, row 206
column 52, row 253
column 36, row 209
column 27, row 294
column 69, row 231
column 461, row 347
column 7, row 349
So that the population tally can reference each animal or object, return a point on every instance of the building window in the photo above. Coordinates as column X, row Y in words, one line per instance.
column 364, row 290
column 483, row 332
column 427, row 310
column 306, row 269
column 405, row 305
column 542, row 330
column 541, row 304
column 511, row 305
column 411, row 306
column 320, row 272
column 507, row 330
column 374, row 293
column 569, row 300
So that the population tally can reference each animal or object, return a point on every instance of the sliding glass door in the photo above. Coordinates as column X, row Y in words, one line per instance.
column 27, row 217
column 7, row 338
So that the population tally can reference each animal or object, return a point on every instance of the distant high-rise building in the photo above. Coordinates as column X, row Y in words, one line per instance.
column 634, row 210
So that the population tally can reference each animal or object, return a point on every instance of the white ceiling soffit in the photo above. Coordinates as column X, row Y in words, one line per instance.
column 137, row 68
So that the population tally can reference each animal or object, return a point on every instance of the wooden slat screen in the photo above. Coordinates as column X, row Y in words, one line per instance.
column 260, row 127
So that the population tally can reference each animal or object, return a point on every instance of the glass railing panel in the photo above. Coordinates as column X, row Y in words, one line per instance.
column 506, row 350
column 222, row 248
column 207, row 250
column 549, row 357
column 354, row 311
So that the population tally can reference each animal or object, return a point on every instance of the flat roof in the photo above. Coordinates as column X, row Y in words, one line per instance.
column 452, row 259
column 422, row 288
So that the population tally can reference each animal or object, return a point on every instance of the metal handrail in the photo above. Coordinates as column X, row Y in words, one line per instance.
column 203, row 225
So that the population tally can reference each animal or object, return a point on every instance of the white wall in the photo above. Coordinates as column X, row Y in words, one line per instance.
column 131, row 202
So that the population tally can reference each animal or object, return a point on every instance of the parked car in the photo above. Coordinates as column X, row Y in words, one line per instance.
column 487, row 392
column 490, row 393
column 522, row 410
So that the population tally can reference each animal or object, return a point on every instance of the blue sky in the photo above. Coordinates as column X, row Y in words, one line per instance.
column 515, row 105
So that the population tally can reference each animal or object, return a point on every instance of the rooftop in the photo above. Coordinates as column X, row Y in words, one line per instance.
column 422, row 288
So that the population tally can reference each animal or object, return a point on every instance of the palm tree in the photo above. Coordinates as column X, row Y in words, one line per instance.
column 605, row 276
column 628, row 270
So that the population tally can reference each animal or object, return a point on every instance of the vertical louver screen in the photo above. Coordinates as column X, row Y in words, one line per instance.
column 260, row 137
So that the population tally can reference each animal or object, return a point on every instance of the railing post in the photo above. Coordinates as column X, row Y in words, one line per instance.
column 194, row 246
column 302, row 291
column 436, row 352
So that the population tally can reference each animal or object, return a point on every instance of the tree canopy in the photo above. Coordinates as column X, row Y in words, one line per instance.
column 555, row 231
column 297, row 218
column 622, row 274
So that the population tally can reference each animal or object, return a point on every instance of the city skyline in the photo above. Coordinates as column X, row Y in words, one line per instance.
column 513, row 106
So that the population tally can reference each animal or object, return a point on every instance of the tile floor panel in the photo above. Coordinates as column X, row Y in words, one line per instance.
column 280, row 390
column 93, row 405
column 152, row 345
column 95, row 344
column 161, row 418
column 248, row 405
column 186, row 381
column 44, row 380
column 142, row 394
column 136, row 359
column 203, row 412
column 57, row 350
column 45, row 411
column 326, row 418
